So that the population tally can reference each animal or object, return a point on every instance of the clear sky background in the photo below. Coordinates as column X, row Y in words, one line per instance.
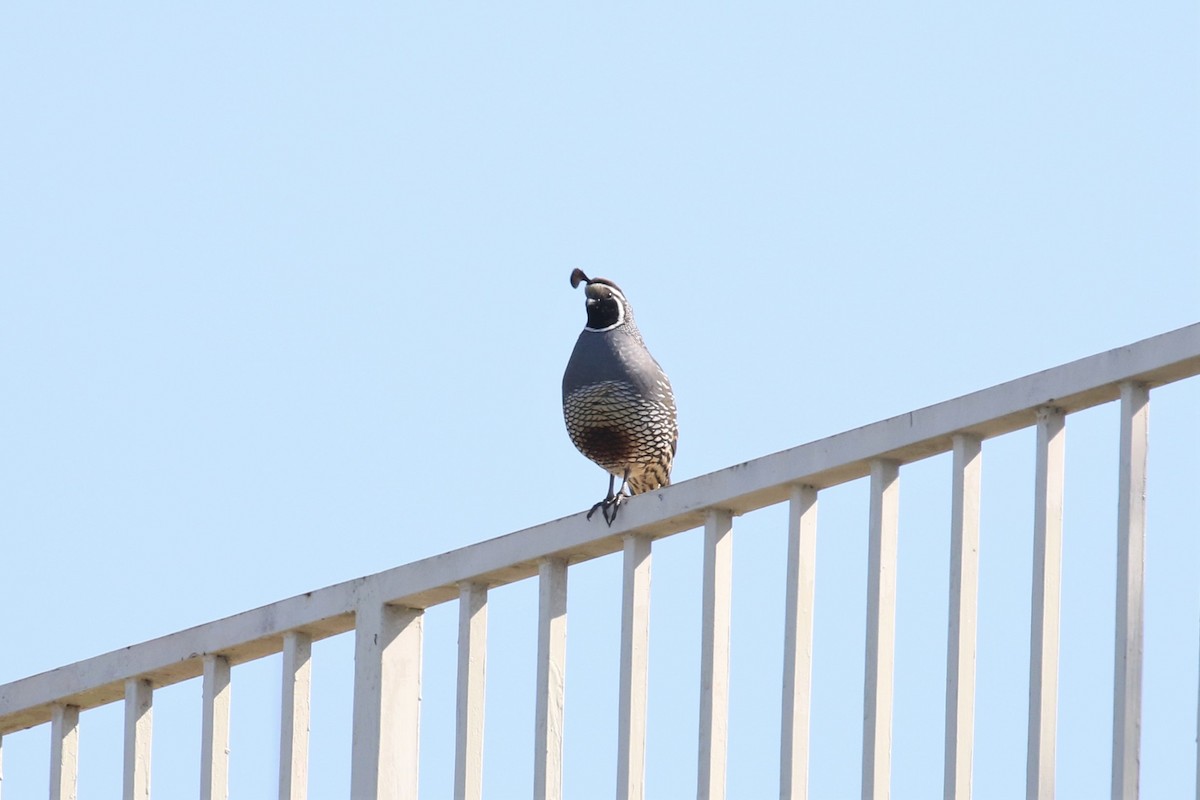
column 284, row 301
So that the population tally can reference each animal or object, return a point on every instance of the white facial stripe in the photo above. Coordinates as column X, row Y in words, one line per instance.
column 617, row 292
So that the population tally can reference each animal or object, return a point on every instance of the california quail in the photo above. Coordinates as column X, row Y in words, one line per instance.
column 617, row 401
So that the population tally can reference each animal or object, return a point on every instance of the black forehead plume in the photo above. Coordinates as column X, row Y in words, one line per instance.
column 578, row 277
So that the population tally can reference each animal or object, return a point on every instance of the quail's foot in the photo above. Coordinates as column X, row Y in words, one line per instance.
column 608, row 508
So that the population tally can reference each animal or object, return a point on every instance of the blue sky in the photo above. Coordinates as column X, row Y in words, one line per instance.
column 284, row 301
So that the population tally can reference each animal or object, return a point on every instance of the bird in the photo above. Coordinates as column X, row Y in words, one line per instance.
column 617, row 401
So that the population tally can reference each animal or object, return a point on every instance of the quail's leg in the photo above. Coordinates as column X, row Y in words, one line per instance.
column 614, row 501
column 606, row 502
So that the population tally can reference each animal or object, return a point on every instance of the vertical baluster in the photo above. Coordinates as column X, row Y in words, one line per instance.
column 294, row 716
column 635, row 646
column 881, row 629
column 551, row 675
column 1047, row 575
column 385, row 749
column 964, row 597
column 139, row 699
column 1131, row 544
column 214, row 737
column 472, row 670
column 797, row 643
column 717, row 593
column 64, row 751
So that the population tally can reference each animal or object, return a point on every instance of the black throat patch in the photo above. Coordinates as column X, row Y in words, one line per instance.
column 604, row 313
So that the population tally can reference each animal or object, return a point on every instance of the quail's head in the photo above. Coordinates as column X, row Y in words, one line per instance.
column 606, row 305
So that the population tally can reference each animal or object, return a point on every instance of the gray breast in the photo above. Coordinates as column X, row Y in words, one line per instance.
column 618, row 405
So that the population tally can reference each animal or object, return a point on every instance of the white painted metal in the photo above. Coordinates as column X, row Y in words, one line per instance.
column 1131, row 550
column 551, row 676
column 882, row 552
column 1047, row 575
column 294, row 710
column 635, row 660
column 681, row 506
column 388, row 638
column 384, row 752
column 64, row 752
column 139, row 699
column 964, row 597
column 472, row 673
column 716, row 610
column 797, row 643
column 214, row 726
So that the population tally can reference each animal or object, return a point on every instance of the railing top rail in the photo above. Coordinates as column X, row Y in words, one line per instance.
column 741, row 488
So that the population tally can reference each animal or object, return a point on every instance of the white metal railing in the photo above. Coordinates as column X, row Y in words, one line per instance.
column 385, row 611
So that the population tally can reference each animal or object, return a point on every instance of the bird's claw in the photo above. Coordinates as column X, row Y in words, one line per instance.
column 608, row 508
column 612, row 501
